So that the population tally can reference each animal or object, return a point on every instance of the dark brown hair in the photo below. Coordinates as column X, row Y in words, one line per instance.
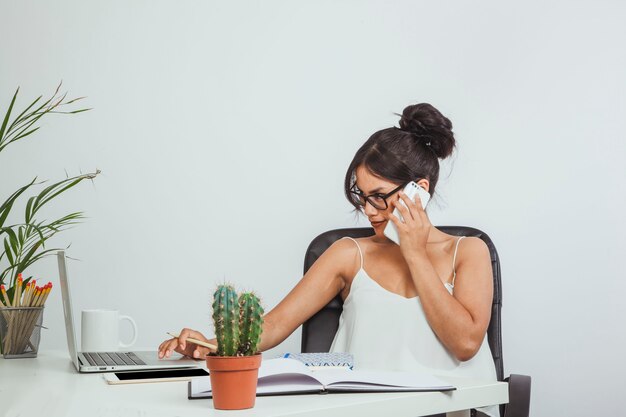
column 408, row 153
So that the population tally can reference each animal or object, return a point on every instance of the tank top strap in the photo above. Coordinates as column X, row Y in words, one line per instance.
column 358, row 247
column 456, row 249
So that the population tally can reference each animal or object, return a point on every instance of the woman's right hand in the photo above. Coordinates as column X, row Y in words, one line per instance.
column 181, row 345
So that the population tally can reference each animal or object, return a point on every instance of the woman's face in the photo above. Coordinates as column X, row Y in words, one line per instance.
column 370, row 184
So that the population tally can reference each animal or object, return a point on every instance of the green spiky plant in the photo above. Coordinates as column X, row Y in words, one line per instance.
column 238, row 322
column 24, row 243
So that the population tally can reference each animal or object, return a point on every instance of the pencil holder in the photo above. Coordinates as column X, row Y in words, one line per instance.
column 20, row 331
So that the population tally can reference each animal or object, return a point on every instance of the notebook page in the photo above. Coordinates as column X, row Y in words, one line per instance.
column 282, row 366
column 381, row 380
column 288, row 383
column 275, row 376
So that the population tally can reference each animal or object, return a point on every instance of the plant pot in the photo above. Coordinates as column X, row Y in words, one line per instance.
column 233, row 380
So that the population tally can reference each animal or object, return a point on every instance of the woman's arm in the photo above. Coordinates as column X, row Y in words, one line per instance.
column 459, row 321
column 322, row 282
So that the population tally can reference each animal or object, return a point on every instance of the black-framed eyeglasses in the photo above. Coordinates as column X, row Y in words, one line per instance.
column 377, row 200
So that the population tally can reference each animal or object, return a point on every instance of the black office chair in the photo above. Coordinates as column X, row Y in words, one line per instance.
column 319, row 331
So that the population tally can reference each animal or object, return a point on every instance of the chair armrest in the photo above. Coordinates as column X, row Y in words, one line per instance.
column 519, row 396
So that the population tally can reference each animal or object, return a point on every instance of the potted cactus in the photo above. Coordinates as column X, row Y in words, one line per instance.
column 234, row 368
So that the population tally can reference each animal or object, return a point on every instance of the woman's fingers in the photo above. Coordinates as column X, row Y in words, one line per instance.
column 406, row 208
column 200, row 352
column 418, row 202
column 167, row 347
column 422, row 214
column 396, row 220
column 189, row 348
column 181, row 345
column 414, row 227
column 182, row 337
column 415, row 208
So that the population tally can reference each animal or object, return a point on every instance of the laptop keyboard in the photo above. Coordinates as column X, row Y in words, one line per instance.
column 113, row 359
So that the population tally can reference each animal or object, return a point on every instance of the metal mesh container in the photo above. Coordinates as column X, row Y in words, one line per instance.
column 20, row 331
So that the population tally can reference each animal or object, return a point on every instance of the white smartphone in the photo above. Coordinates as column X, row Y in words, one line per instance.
column 158, row 375
column 411, row 190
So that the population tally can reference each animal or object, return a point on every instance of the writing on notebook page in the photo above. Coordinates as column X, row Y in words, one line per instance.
column 324, row 360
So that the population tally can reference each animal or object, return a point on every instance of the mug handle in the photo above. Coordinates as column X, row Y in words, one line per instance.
column 132, row 342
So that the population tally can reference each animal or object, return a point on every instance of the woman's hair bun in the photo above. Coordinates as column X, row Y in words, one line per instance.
column 430, row 127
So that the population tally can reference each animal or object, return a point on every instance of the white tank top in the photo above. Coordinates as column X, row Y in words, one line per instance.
column 384, row 330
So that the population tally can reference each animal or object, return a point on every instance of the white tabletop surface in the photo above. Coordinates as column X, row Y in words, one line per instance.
column 50, row 386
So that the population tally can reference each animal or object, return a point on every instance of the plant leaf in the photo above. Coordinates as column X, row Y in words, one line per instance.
column 58, row 188
column 7, row 250
column 7, row 116
column 5, row 208
column 40, row 234
column 28, row 119
column 28, row 255
column 23, row 135
column 40, row 255
column 28, row 215
column 16, row 133
column 21, row 125
column 19, row 118
column 74, row 99
column 9, row 231
column 16, row 241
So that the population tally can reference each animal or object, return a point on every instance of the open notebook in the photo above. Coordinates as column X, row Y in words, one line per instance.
column 290, row 376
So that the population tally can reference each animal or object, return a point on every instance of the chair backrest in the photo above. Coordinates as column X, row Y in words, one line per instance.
column 319, row 331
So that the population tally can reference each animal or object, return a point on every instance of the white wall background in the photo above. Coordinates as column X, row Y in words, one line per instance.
column 195, row 101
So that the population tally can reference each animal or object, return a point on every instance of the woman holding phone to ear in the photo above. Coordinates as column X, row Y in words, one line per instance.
column 422, row 305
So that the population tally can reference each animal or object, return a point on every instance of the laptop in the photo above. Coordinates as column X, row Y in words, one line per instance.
column 108, row 361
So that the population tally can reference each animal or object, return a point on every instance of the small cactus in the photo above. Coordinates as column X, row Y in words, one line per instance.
column 250, row 323
column 226, row 320
column 238, row 322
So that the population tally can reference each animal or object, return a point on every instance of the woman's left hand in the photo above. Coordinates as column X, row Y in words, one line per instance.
column 415, row 228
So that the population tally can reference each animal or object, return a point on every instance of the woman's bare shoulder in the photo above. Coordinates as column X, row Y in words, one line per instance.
column 474, row 244
column 344, row 254
column 344, row 248
column 472, row 250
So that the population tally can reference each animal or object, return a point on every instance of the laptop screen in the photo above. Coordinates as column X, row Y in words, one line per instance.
column 67, row 308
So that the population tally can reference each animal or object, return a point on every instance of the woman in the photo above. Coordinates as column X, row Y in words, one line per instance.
column 422, row 305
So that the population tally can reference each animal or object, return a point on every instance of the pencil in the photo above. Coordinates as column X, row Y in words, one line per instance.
column 36, row 295
column 196, row 341
column 47, row 289
column 31, row 292
column 17, row 291
column 7, row 302
column 26, row 297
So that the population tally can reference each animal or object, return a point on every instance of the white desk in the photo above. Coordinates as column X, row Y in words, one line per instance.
column 49, row 386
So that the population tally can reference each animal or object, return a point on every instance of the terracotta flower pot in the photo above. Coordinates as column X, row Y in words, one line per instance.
column 233, row 380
